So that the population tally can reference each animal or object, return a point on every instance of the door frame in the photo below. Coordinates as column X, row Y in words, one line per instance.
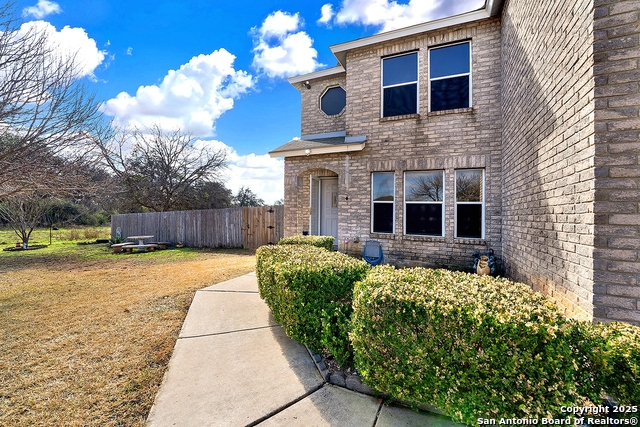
column 316, row 215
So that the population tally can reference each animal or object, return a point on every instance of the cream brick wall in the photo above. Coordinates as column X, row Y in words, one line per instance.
column 314, row 120
column 467, row 138
column 555, row 124
column 548, row 149
column 617, row 166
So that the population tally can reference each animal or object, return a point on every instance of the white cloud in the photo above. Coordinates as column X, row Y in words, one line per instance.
column 258, row 172
column 326, row 12
column 42, row 9
column 191, row 98
column 281, row 49
column 390, row 15
column 279, row 24
column 68, row 42
column 129, row 51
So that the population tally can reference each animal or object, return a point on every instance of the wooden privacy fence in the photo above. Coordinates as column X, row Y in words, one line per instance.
column 248, row 227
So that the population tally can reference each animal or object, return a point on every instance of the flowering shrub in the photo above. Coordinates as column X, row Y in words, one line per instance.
column 472, row 345
column 319, row 241
column 298, row 282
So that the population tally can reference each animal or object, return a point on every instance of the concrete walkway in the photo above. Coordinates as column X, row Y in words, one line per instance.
column 233, row 365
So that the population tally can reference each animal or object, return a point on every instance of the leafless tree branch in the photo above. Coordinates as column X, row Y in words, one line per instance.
column 45, row 112
column 160, row 168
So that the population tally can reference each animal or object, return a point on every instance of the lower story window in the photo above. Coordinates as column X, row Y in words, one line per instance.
column 470, row 203
column 382, row 197
column 424, row 196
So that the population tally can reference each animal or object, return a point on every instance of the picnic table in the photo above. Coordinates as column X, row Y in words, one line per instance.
column 140, row 239
column 130, row 246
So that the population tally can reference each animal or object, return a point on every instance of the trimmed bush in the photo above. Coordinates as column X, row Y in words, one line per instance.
column 298, row 282
column 611, row 354
column 319, row 241
column 336, row 325
column 472, row 345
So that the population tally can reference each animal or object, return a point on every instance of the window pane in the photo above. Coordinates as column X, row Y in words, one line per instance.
column 447, row 94
column 383, row 217
column 469, row 186
column 469, row 220
column 424, row 218
column 449, row 60
column 400, row 69
column 424, row 186
column 383, row 187
column 400, row 100
column 333, row 101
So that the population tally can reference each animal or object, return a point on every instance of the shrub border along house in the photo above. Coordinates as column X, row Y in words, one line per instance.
column 475, row 346
column 325, row 242
column 472, row 345
column 303, row 283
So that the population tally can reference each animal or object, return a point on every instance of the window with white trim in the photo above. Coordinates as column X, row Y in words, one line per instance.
column 470, row 203
column 450, row 77
column 424, row 203
column 400, row 85
column 383, row 201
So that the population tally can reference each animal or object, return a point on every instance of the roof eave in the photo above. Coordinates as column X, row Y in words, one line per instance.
column 298, row 80
column 344, row 148
column 492, row 8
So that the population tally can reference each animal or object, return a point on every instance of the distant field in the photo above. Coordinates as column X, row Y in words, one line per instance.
column 42, row 236
column 86, row 334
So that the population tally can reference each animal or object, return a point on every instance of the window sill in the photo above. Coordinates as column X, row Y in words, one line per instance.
column 454, row 111
column 397, row 118
column 469, row 241
column 382, row 236
column 421, row 238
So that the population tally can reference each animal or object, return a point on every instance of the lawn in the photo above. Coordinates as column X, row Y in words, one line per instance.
column 86, row 335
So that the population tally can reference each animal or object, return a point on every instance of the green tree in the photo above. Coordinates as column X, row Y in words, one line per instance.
column 246, row 197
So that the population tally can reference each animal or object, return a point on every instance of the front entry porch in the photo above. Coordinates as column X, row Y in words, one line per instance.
column 323, row 202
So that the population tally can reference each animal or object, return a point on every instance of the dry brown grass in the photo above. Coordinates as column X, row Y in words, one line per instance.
column 86, row 342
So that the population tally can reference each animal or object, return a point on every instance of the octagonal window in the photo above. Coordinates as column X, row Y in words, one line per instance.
column 333, row 101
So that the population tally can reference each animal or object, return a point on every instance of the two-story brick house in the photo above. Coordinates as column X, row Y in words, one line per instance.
column 514, row 127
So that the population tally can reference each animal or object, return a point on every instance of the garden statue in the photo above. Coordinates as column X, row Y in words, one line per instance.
column 484, row 264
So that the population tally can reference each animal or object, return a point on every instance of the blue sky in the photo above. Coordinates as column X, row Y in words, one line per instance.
column 218, row 69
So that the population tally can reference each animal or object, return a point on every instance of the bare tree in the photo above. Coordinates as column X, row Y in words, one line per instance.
column 26, row 209
column 45, row 111
column 160, row 168
column 23, row 211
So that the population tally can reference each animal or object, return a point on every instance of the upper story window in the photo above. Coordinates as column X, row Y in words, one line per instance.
column 333, row 101
column 400, row 85
column 382, row 197
column 424, row 199
column 450, row 77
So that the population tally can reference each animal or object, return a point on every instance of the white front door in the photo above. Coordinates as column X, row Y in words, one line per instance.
column 329, row 208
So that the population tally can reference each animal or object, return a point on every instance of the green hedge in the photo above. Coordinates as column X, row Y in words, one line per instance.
column 611, row 356
column 475, row 346
column 299, row 282
column 319, row 241
column 472, row 345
